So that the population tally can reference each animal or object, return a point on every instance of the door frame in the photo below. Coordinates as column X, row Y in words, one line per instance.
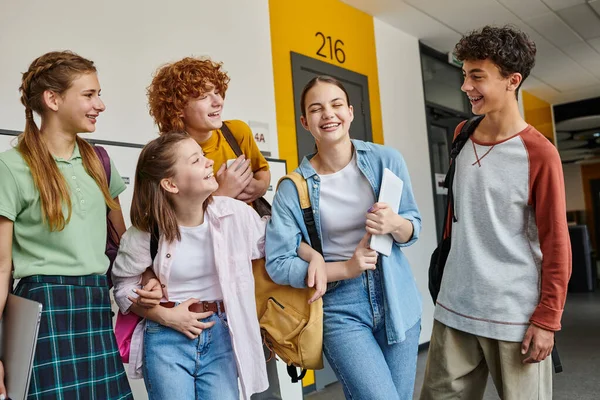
column 595, row 193
column 430, row 110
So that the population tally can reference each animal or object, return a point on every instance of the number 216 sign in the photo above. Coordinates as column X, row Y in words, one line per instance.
column 336, row 52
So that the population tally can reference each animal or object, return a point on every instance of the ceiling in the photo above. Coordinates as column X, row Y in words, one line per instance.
column 578, row 131
column 566, row 32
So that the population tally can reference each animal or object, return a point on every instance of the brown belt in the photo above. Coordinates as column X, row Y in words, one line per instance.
column 202, row 306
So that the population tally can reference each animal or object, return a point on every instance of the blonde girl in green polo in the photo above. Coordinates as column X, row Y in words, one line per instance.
column 53, row 201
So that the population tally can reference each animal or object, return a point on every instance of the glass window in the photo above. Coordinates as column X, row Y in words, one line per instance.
column 442, row 84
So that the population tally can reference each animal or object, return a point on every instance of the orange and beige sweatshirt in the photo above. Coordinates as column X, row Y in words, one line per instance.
column 510, row 258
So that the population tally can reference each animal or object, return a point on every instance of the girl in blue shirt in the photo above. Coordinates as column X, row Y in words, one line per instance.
column 371, row 306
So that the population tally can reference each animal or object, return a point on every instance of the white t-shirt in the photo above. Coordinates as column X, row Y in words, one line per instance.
column 346, row 196
column 193, row 272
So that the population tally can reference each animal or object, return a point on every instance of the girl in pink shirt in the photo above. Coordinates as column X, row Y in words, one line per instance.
column 205, row 333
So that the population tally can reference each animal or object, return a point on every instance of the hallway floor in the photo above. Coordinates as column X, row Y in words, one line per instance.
column 578, row 344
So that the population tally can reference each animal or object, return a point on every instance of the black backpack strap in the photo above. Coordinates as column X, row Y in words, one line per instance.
column 293, row 373
column 311, row 227
column 457, row 144
column 558, row 368
column 154, row 242
column 231, row 140
column 464, row 135
column 307, row 212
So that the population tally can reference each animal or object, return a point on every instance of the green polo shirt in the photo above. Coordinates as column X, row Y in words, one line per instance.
column 76, row 250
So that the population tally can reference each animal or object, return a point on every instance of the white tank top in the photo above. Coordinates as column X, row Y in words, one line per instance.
column 193, row 272
column 345, row 198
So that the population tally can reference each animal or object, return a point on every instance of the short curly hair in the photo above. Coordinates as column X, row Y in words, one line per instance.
column 175, row 84
column 507, row 47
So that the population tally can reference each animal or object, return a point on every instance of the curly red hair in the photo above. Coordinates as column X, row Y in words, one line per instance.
column 175, row 84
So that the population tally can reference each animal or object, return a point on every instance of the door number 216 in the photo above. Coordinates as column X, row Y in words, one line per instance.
column 335, row 48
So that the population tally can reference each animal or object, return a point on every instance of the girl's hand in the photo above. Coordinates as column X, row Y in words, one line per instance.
column 363, row 259
column 185, row 321
column 381, row 219
column 150, row 294
column 317, row 277
column 3, row 394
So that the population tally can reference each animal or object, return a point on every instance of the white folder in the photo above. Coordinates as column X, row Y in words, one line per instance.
column 391, row 194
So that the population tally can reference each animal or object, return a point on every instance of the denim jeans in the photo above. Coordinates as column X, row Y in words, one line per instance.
column 356, row 345
column 176, row 367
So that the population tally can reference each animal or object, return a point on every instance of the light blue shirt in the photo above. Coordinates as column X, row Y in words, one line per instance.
column 286, row 230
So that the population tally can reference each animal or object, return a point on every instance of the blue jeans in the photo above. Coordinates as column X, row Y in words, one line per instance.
column 356, row 346
column 176, row 367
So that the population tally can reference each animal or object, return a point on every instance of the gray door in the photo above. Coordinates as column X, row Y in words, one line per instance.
column 303, row 70
column 441, row 126
column 595, row 190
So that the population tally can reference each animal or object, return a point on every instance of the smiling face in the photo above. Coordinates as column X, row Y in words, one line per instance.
column 487, row 89
column 79, row 106
column 328, row 115
column 203, row 114
column 194, row 176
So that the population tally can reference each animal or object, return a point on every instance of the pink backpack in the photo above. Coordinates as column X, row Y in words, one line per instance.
column 126, row 323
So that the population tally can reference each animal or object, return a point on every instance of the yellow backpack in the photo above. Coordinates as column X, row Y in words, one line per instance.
column 291, row 328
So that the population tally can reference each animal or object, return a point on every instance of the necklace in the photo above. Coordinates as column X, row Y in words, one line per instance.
column 478, row 162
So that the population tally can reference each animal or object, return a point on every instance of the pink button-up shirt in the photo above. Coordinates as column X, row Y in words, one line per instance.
column 238, row 236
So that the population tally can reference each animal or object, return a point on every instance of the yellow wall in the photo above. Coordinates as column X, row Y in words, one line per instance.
column 294, row 24
column 538, row 113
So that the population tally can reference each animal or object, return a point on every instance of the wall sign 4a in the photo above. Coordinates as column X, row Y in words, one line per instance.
column 260, row 131
column 336, row 52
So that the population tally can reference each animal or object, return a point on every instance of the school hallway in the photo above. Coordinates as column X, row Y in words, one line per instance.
column 578, row 344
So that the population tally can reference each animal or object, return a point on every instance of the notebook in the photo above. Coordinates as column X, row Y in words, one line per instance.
column 18, row 336
column 391, row 194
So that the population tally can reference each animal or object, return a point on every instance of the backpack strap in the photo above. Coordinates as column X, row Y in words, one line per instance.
column 112, row 236
column 307, row 212
column 293, row 373
column 154, row 242
column 231, row 140
column 105, row 160
column 558, row 368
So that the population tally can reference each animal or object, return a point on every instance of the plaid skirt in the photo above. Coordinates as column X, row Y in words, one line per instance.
column 76, row 355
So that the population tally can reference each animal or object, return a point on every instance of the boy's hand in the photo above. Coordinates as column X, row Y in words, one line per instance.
column 253, row 191
column 233, row 180
column 363, row 259
column 317, row 277
column 538, row 342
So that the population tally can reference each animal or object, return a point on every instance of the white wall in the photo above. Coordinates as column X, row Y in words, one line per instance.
column 405, row 128
column 128, row 40
column 574, row 187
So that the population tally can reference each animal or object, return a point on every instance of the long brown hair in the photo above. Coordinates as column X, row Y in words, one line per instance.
column 151, row 205
column 55, row 71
